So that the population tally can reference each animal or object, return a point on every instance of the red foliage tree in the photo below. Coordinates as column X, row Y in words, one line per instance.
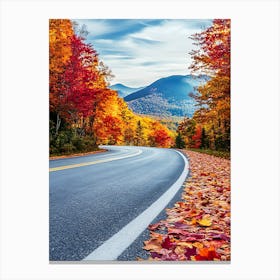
column 79, row 76
column 196, row 139
column 109, row 130
column 161, row 138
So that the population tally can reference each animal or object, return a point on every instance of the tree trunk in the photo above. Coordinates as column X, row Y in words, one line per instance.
column 58, row 122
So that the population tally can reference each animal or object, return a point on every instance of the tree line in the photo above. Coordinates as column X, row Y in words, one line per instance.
column 84, row 111
column 209, row 128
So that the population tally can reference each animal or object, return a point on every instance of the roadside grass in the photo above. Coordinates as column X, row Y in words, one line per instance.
column 221, row 154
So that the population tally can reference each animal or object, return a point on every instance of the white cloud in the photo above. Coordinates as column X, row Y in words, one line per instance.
column 156, row 51
column 96, row 27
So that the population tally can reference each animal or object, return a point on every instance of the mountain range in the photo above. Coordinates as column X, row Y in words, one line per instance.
column 166, row 97
column 123, row 90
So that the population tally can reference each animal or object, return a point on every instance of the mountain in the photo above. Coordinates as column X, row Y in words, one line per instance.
column 166, row 97
column 124, row 90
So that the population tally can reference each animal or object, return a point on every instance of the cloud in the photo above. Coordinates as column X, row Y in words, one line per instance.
column 96, row 27
column 145, row 41
column 141, row 51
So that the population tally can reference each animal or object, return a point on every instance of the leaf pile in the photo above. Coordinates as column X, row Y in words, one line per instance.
column 198, row 227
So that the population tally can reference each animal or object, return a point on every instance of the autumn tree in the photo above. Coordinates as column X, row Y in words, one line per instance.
column 159, row 135
column 204, row 139
column 186, row 129
column 190, row 133
column 162, row 138
column 179, row 141
column 212, row 57
column 138, row 140
column 71, row 73
column 84, row 111
column 79, row 77
column 109, row 131
column 60, row 34
column 196, row 138
column 129, row 122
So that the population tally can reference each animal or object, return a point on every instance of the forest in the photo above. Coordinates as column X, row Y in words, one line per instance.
column 85, row 112
column 209, row 128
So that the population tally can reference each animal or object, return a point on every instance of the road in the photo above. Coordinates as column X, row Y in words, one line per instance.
column 100, row 203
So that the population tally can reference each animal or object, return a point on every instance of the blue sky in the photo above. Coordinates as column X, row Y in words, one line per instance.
column 140, row 51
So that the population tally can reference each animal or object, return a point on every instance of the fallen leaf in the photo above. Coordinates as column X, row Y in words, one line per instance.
column 207, row 254
column 199, row 224
column 221, row 236
column 194, row 221
column 198, row 245
column 178, row 231
column 155, row 255
column 154, row 226
column 153, row 244
column 180, row 250
column 190, row 252
column 185, row 244
column 178, row 225
column 167, row 244
column 205, row 222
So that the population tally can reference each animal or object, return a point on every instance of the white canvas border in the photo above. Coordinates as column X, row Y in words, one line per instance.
column 24, row 138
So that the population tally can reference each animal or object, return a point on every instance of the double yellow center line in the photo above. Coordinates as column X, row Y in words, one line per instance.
column 92, row 162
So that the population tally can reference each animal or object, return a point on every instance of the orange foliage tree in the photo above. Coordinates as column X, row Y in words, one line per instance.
column 60, row 51
column 84, row 111
column 160, row 136
column 212, row 57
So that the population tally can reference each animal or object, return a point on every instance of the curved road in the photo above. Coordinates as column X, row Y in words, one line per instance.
column 100, row 203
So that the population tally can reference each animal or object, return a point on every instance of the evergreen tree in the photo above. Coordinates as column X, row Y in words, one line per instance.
column 139, row 134
column 179, row 141
column 204, row 139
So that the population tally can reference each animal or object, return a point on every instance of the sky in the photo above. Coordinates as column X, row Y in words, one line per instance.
column 140, row 51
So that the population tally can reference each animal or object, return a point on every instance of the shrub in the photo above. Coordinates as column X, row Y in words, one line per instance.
column 89, row 143
column 68, row 148
column 78, row 143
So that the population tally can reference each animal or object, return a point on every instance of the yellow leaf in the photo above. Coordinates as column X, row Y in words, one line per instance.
column 180, row 250
column 205, row 222
column 193, row 222
column 198, row 245
column 185, row 244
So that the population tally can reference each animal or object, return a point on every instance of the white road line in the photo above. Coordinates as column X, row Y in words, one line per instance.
column 114, row 246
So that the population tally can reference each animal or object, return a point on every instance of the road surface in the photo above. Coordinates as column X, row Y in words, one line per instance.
column 100, row 203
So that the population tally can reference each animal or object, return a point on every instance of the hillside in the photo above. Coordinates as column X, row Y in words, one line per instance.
column 123, row 90
column 166, row 97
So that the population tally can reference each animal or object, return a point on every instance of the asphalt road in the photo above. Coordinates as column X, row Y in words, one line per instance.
column 93, row 197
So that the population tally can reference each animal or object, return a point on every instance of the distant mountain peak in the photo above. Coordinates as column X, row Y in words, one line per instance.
column 124, row 90
column 168, row 96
